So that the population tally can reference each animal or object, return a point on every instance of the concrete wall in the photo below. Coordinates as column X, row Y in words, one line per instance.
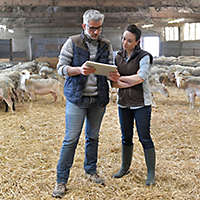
column 190, row 48
column 19, row 42
column 42, row 39
column 114, row 35
column 46, row 44
column 46, row 47
column 171, row 48
column 42, row 42
column 181, row 48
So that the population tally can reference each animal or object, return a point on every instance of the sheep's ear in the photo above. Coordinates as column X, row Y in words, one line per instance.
column 180, row 73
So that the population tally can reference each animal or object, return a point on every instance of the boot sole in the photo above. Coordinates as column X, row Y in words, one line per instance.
column 122, row 175
column 59, row 196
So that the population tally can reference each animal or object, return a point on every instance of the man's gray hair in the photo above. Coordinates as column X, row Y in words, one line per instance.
column 92, row 15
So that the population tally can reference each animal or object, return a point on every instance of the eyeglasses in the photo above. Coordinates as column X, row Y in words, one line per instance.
column 93, row 28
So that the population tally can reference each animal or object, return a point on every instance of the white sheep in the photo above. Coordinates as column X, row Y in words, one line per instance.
column 40, row 86
column 196, row 71
column 157, row 87
column 7, row 93
column 191, row 85
column 45, row 70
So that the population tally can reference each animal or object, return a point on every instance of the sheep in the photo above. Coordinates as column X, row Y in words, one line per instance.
column 40, row 86
column 7, row 106
column 35, row 76
column 167, row 79
column 15, row 77
column 181, row 68
column 191, row 85
column 113, row 94
column 7, row 93
column 45, row 70
column 30, row 66
column 157, row 70
column 162, row 74
column 157, row 87
column 196, row 71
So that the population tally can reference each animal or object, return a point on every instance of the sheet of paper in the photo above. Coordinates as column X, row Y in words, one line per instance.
column 101, row 68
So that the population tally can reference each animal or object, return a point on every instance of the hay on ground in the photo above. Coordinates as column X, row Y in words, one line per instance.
column 30, row 142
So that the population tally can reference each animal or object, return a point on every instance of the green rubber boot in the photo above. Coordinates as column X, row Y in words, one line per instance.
column 127, row 152
column 150, row 159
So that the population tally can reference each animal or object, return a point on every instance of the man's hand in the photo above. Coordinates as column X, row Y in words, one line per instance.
column 86, row 70
column 114, row 76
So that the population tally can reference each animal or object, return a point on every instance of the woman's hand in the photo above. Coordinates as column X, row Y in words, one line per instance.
column 127, row 81
column 114, row 76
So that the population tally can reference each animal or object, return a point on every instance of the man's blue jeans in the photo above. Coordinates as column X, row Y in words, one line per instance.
column 75, row 117
column 142, row 117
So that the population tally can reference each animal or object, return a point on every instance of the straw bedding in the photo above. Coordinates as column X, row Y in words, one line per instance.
column 30, row 142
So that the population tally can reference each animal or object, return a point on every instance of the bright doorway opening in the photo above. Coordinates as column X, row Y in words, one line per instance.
column 152, row 45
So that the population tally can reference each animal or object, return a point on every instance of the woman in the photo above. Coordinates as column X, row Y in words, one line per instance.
column 134, row 101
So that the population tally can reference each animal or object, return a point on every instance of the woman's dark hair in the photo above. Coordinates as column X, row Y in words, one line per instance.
column 135, row 30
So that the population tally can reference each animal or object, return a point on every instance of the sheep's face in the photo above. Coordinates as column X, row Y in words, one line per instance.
column 171, row 76
column 181, row 82
column 164, row 91
column 26, row 74
column 179, row 79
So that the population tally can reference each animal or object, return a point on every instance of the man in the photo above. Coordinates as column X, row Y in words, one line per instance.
column 87, row 96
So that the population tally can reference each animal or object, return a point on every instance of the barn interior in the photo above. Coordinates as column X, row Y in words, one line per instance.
column 31, row 34
column 31, row 29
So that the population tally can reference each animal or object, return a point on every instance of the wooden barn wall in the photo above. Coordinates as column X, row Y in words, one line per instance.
column 46, row 47
column 184, row 48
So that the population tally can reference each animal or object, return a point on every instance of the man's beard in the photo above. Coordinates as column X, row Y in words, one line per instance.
column 89, row 36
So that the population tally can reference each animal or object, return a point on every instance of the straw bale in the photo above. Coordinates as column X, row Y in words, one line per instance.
column 30, row 142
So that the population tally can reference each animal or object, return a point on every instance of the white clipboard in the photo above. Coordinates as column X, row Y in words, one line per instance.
column 101, row 68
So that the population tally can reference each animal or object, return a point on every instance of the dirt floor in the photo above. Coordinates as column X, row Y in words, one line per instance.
column 30, row 142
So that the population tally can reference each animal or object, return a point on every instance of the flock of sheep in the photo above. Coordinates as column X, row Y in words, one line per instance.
column 26, row 80
column 22, row 81
column 182, row 72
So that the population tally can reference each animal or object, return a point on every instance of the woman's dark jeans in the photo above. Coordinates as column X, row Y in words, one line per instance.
column 142, row 117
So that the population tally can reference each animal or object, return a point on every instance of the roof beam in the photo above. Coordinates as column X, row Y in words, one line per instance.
column 163, row 13
column 64, row 3
column 99, row 3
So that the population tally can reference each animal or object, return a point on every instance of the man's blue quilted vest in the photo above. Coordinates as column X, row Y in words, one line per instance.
column 74, row 85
